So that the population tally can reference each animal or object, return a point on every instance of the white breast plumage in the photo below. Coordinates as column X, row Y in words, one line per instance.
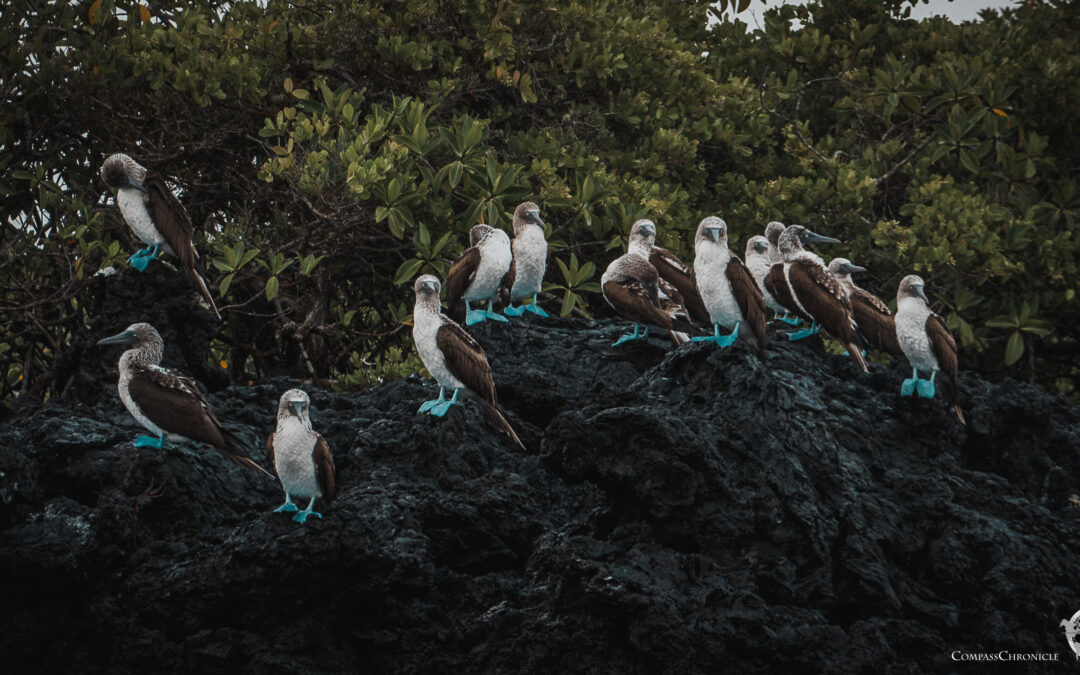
column 759, row 267
column 495, row 255
column 911, row 316
column 710, row 269
column 530, row 263
column 293, row 445
column 426, row 326
column 132, row 205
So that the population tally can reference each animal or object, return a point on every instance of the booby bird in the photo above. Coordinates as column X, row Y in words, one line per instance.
column 759, row 264
column 875, row 321
column 772, row 235
column 300, row 456
column 925, row 341
column 453, row 358
column 530, row 249
column 727, row 289
column 166, row 402
column 477, row 274
column 670, row 269
column 631, row 285
column 803, row 285
column 156, row 217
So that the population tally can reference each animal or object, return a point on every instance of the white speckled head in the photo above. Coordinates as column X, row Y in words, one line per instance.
column 295, row 403
column 912, row 286
column 644, row 230
column 120, row 171
column 147, row 345
column 427, row 289
column 526, row 214
column 842, row 269
column 773, row 231
column 479, row 233
column 713, row 229
column 757, row 244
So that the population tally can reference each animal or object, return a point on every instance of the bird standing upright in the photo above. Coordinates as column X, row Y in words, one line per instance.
column 875, row 321
column 670, row 269
column 300, row 456
column 526, row 275
column 156, row 217
column 478, row 273
column 926, row 341
column 165, row 402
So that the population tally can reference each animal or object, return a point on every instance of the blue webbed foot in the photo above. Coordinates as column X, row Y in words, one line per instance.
column 510, row 310
column 908, row 387
column 428, row 405
column 925, row 388
column 804, row 333
column 638, row 334
column 790, row 320
column 536, row 309
column 475, row 316
column 303, row 516
column 440, row 409
column 495, row 316
column 149, row 441
column 287, row 507
column 140, row 260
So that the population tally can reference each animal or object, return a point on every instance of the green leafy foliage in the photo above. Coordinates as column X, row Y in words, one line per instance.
column 331, row 152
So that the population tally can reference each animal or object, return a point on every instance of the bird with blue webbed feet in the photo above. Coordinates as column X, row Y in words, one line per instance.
column 300, row 456
column 926, row 342
column 477, row 275
column 525, row 277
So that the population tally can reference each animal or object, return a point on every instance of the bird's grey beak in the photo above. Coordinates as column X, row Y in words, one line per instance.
column 137, row 185
column 429, row 285
column 649, row 229
column 535, row 215
column 298, row 406
column 761, row 247
column 922, row 294
column 809, row 237
column 128, row 337
column 715, row 233
column 848, row 268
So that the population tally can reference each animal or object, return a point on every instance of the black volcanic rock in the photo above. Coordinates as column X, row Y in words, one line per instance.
column 686, row 511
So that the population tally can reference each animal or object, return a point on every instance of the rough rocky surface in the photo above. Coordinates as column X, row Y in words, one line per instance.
column 686, row 511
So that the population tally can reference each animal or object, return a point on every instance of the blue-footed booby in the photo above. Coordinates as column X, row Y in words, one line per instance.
column 165, row 402
column 727, row 289
column 477, row 274
column 926, row 342
column 759, row 264
column 772, row 234
column 526, row 276
column 803, row 285
column 671, row 270
column 631, row 286
column 156, row 217
column 300, row 456
column 875, row 321
column 453, row 358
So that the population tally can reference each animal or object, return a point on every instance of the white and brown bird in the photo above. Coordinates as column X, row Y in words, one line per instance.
column 631, row 285
column 453, row 358
column 165, row 402
column 759, row 263
column 803, row 285
column 926, row 342
column 478, row 273
column 875, row 321
column 772, row 235
column 300, row 456
column 525, row 278
column 670, row 268
column 156, row 217
column 727, row 289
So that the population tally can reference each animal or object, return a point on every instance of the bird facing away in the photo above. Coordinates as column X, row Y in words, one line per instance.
column 926, row 342
column 803, row 285
column 453, row 358
column 670, row 269
column 156, row 217
column 631, row 286
column 526, row 276
column 165, row 402
column 300, row 456
column 727, row 289
column 875, row 321
column 478, row 273
column 772, row 235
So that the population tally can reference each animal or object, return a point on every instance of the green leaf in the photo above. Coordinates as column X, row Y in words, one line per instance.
column 271, row 288
column 407, row 270
column 223, row 287
column 1015, row 349
column 569, row 300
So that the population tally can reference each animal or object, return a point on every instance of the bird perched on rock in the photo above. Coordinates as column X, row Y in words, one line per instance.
column 631, row 286
column 759, row 263
column 165, row 402
column 156, row 217
column 803, row 285
column 477, row 274
column 530, row 249
column 925, row 341
column 453, row 358
column 727, row 289
column 300, row 456
column 772, row 235
column 670, row 269
column 875, row 321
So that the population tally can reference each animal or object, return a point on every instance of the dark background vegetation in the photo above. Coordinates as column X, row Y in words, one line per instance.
column 330, row 151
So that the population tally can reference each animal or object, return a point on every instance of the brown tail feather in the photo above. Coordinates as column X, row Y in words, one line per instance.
column 496, row 420
column 205, row 292
column 233, row 443
column 856, row 355
column 959, row 413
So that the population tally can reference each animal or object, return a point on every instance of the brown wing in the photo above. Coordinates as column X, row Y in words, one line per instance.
column 876, row 326
column 171, row 219
column 826, row 301
column 324, row 468
column 777, row 286
column 461, row 276
column 871, row 299
column 507, row 283
column 175, row 404
column 679, row 275
column 943, row 345
column 751, row 301
column 637, row 301
column 466, row 359
column 270, row 450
